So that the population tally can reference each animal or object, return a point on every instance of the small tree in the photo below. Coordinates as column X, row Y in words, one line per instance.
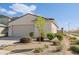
column 39, row 24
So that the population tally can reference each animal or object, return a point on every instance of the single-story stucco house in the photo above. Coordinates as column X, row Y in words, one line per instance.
column 4, row 21
column 23, row 25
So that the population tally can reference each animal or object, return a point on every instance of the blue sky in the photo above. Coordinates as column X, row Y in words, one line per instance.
column 66, row 15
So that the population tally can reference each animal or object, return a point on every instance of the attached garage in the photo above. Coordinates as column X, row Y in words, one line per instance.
column 21, row 30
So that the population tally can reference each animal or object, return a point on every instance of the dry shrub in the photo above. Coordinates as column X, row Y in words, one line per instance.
column 25, row 40
column 38, row 50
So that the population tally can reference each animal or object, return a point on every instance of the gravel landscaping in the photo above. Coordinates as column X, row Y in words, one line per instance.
column 8, row 47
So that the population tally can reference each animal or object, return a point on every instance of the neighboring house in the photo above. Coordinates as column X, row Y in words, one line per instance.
column 4, row 21
column 23, row 25
column 2, row 30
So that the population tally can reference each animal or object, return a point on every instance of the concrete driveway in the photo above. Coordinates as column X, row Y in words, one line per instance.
column 8, row 40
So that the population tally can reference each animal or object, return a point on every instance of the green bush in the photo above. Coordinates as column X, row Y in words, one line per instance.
column 31, row 34
column 50, row 36
column 59, row 36
column 75, row 48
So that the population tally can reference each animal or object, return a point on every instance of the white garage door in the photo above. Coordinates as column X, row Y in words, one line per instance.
column 22, row 30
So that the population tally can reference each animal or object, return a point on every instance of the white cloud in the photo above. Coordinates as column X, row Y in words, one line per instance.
column 33, row 7
column 11, row 12
column 8, row 12
column 18, row 8
column 22, row 8
column 3, row 10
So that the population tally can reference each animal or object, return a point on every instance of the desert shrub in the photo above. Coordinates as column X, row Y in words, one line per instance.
column 64, row 34
column 25, row 40
column 50, row 36
column 56, row 43
column 57, row 48
column 40, row 39
column 59, row 36
column 75, row 48
column 73, row 38
column 31, row 34
column 72, row 42
column 77, row 42
column 8, row 48
column 46, row 46
column 38, row 50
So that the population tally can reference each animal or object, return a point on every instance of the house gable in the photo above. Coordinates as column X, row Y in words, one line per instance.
column 26, row 19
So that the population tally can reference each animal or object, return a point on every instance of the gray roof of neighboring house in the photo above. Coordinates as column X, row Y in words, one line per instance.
column 1, row 16
column 15, row 18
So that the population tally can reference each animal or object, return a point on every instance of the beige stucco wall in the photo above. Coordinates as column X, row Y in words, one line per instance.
column 49, row 27
column 53, row 28
column 10, row 31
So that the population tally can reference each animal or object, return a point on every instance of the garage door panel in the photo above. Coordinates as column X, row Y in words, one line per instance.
column 22, row 30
